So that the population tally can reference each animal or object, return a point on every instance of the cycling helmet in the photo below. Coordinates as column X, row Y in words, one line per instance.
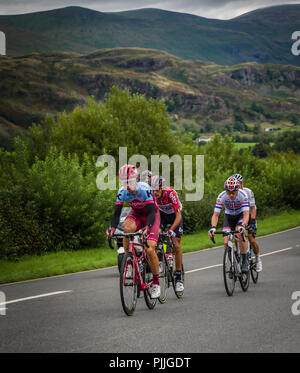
column 239, row 177
column 146, row 176
column 232, row 184
column 127, row 172
column 158, row 182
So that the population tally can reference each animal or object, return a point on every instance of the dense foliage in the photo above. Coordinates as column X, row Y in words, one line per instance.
column 49, row 199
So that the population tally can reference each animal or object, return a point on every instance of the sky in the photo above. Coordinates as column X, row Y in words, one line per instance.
column 220, row 9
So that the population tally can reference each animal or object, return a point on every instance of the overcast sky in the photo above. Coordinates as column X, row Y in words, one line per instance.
column 222, row 9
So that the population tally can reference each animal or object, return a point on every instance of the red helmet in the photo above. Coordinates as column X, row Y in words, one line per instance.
column 158, row 182
column 232, row 184
column 127, row 172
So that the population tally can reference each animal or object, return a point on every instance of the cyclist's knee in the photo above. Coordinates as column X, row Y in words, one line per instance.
column 177, row 246
column 129, row 226
column 151, row 248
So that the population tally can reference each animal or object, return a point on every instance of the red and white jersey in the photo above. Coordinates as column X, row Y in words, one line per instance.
column 235, row 207
column 169, row 202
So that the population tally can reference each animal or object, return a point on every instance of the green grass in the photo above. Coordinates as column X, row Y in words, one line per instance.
column 31, row 267
column 243, row 145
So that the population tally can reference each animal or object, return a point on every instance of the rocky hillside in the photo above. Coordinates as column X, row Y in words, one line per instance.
column 34, row 85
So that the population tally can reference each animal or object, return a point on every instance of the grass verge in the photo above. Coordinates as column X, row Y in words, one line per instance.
column 33, row 266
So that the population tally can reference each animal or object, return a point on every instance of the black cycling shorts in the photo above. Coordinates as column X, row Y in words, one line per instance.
column 231, row 221
column 166, row 219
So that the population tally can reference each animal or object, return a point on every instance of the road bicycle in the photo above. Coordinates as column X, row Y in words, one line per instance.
column 135, row 274
column 252, row 261
column 232, row 264
column 165, row 248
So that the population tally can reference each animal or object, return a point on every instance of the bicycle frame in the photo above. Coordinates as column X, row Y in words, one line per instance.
column 235, row 250
column 137, row 260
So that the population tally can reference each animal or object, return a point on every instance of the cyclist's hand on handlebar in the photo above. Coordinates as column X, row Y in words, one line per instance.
column 171, row 233
column 110, row 232
column 212, row 232
column 145, row 232
column 241, row 229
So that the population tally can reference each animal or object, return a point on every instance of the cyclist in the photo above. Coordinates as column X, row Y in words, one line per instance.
column 236, row 214
column 170, row 213
column 144, row 214
column 146, row 177
column 252, row 225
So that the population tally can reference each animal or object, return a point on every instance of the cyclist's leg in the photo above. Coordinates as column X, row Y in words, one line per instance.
column 254, row 244
column 177, row 245
column 242, row 244
column 227, row 226
column 132, row 223
column 152, row 240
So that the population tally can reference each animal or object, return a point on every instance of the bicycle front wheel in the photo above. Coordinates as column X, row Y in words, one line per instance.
column 228, row 271
column 148, row 277
column 128, row 285
column 245, row 281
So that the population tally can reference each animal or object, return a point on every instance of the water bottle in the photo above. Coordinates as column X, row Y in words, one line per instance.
column 170, row 260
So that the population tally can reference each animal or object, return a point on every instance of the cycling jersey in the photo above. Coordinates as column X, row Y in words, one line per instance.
column 232, row 207
column 138, row 201
column 169, row 202
column 250, row 196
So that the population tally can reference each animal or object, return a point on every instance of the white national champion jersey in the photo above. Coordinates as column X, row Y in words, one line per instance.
column 250, row 195
column 235, row 207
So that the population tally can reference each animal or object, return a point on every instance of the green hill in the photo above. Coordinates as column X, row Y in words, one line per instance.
column 260, row 36
column 197, row 94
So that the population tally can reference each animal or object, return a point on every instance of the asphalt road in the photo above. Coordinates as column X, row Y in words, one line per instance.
column 82, row 312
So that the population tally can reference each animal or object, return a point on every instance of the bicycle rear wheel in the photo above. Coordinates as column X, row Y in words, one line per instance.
column 128, row 285
column 163, row 277
column 252, row 263
column 228, row 271
column 148, row 277
column 179, row 294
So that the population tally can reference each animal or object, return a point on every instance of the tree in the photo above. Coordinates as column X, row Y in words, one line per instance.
column 288, row 141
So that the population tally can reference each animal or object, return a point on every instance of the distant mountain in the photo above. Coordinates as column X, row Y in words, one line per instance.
column 263, row 35
column 198, row 95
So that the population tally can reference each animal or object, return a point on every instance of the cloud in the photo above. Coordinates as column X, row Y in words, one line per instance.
column 222, row 9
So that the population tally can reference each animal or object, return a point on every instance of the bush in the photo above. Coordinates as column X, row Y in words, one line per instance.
column 55, row 206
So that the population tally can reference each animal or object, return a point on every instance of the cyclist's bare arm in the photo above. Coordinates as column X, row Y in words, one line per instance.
column 253, row 212
column 215, row 219
column 177, row 220
column 245, row 218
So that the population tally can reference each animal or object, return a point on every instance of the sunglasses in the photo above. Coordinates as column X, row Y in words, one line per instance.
column 234, row 192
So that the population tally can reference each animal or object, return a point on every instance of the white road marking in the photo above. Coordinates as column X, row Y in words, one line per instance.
column 35, row 297
column 203, row 268
column 219, row 265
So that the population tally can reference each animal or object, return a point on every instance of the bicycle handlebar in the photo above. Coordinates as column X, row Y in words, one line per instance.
column 129, row 235
column 227, row 233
